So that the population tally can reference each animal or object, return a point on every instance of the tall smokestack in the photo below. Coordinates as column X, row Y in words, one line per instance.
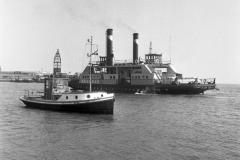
column 135, row 48
column 109, row 48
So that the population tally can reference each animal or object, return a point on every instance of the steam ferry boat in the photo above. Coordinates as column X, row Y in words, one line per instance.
column 57, row 95
column 151, row 75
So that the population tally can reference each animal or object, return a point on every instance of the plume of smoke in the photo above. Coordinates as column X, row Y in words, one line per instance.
column 121, row 23
column 105, row 20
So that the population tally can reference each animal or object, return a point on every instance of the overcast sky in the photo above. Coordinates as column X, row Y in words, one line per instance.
column 205, row 34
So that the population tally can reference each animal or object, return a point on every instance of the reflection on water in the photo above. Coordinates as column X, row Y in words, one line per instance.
column 143, row 127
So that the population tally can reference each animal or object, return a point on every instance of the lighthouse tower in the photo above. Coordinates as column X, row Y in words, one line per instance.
column 57, row 63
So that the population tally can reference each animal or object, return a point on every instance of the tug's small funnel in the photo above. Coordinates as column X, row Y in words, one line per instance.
column 135, row 48
column 109, row 48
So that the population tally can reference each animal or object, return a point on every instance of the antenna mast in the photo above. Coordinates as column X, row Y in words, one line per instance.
column 170, row 48
column 150, row 48
column 90, row 41
column 90, row 83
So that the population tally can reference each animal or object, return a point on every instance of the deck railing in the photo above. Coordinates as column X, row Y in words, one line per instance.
column 190, row 80
column 129, row 61
column 32, row 93
column 187, row 80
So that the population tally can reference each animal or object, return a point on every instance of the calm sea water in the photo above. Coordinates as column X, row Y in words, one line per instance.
column 168, row 127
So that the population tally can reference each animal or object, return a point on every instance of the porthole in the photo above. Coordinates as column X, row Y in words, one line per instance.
column 88, row 96
column 66, row 97
column 101, row 95
column 76, row 97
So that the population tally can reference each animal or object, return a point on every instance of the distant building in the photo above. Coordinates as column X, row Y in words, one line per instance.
column 17, row 76
column 57, row 63
column 24, row 76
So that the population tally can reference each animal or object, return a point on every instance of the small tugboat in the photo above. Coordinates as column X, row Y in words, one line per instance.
column 59, row 96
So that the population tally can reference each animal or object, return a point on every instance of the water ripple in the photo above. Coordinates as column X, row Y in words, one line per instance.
column 169, row 127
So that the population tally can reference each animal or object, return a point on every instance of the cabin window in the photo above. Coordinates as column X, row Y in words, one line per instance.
column 146, row 77
column 66, row 97
column 76, row 97
column 101, row 95
column 88, row 96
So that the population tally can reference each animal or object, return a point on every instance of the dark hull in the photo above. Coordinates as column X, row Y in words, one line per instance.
column 95, row 107
column 184, row 88
column 158, row 89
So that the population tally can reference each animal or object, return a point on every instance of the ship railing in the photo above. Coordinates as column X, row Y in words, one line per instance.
column 207, row 81
column 123, row 61
column 95, row 62
column 115, row 62
column 186, row 80
column 191, row 80
column 33, row 93
column 130, row 61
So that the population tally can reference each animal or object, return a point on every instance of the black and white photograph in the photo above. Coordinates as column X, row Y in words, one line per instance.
column 119, row 80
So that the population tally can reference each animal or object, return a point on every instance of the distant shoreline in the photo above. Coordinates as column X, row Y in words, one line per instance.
column 22, row 81
column 26, row 81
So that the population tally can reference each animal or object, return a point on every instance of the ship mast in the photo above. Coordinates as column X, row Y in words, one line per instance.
column 170, row 47
column 150, row 48
column 90, row 42
column 90, row 83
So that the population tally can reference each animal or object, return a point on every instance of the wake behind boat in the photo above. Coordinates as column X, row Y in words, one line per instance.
column 59, row 96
